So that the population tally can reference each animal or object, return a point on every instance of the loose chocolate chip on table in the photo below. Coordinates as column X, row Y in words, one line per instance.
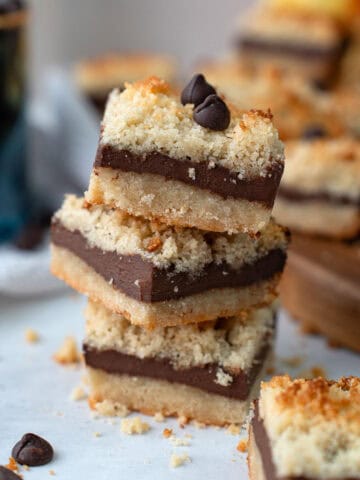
column 32, row 450
column 6, row 474
column 212, row 113
column 196, row 90
column 314, row 131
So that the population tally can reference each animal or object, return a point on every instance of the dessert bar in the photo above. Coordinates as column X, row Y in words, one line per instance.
column 305, row 43
column 207, row 372
column 210, row 167
column 330, row 270
column 155, row 274
column 96, row 77
column 306, row 429
column 320, row 190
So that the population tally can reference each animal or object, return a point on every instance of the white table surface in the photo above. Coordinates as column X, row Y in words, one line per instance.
column 35, row 397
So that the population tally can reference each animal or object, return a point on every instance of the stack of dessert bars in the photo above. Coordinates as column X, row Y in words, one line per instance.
column 175, row 247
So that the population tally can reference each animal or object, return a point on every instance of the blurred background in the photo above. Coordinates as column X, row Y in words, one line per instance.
column 63, row 31
column 59, row 59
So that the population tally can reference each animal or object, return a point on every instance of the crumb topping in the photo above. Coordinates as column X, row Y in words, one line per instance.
column 147, row 117
column 318, row 417
column 331, row 166
column 230, row 343
column 186, row 249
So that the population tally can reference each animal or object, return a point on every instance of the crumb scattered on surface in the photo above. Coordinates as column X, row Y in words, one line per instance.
column 182, row 421
column 12, row 465
column 313, row 372
column 52, row 472
column 159, row 417
column 179, row 442
column 167, row 432
column 242, row 446
column 178, row 460
column 26, row 467
column 97, row 434
column 78, row 394
column 133, row 426
column 233, row 429
column 294, row 362
column 68, row 353
column 31, row 336
column 199, row 425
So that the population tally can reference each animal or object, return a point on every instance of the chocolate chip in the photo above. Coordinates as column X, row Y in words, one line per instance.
column 314, row 131
column 212, row 113
column 32, row 450
column 196, row 90
column 6, row 474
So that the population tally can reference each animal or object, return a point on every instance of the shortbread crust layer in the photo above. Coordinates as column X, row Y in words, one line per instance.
column 178, row 204
column 151, row 396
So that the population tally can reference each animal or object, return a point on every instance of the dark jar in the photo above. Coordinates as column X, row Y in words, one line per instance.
column 13, row 187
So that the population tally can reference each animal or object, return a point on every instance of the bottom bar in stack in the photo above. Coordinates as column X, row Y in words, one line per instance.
column 208, row 372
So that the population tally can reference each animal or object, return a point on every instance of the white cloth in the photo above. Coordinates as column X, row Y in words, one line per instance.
column 64, row 132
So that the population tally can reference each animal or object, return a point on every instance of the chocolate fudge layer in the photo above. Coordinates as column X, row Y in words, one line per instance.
column 320, row 190
column 154, row 160
column 330, row 269
column 152, row 266
column 222, row 358
column 327, row 431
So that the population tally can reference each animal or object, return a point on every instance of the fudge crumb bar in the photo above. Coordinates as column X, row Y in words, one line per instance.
column 154, row 160
column 308, row 429
column 196, row 371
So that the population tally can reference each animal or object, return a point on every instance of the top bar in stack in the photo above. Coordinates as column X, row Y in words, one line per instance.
column 162, row 159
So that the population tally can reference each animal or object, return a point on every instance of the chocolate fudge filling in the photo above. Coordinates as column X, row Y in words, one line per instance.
column 203, row 377
column 218, row 179
column 306, row 52
column 263, row 444
column 141, row 280
column 294, row 195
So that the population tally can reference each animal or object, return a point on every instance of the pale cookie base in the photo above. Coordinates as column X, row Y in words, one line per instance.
column 174, row 203
column 255, row 465
column 222, row 302
column 151, row 396
column 318, row 217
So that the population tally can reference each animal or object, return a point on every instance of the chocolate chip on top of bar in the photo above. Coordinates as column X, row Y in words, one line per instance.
column 210, row 110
